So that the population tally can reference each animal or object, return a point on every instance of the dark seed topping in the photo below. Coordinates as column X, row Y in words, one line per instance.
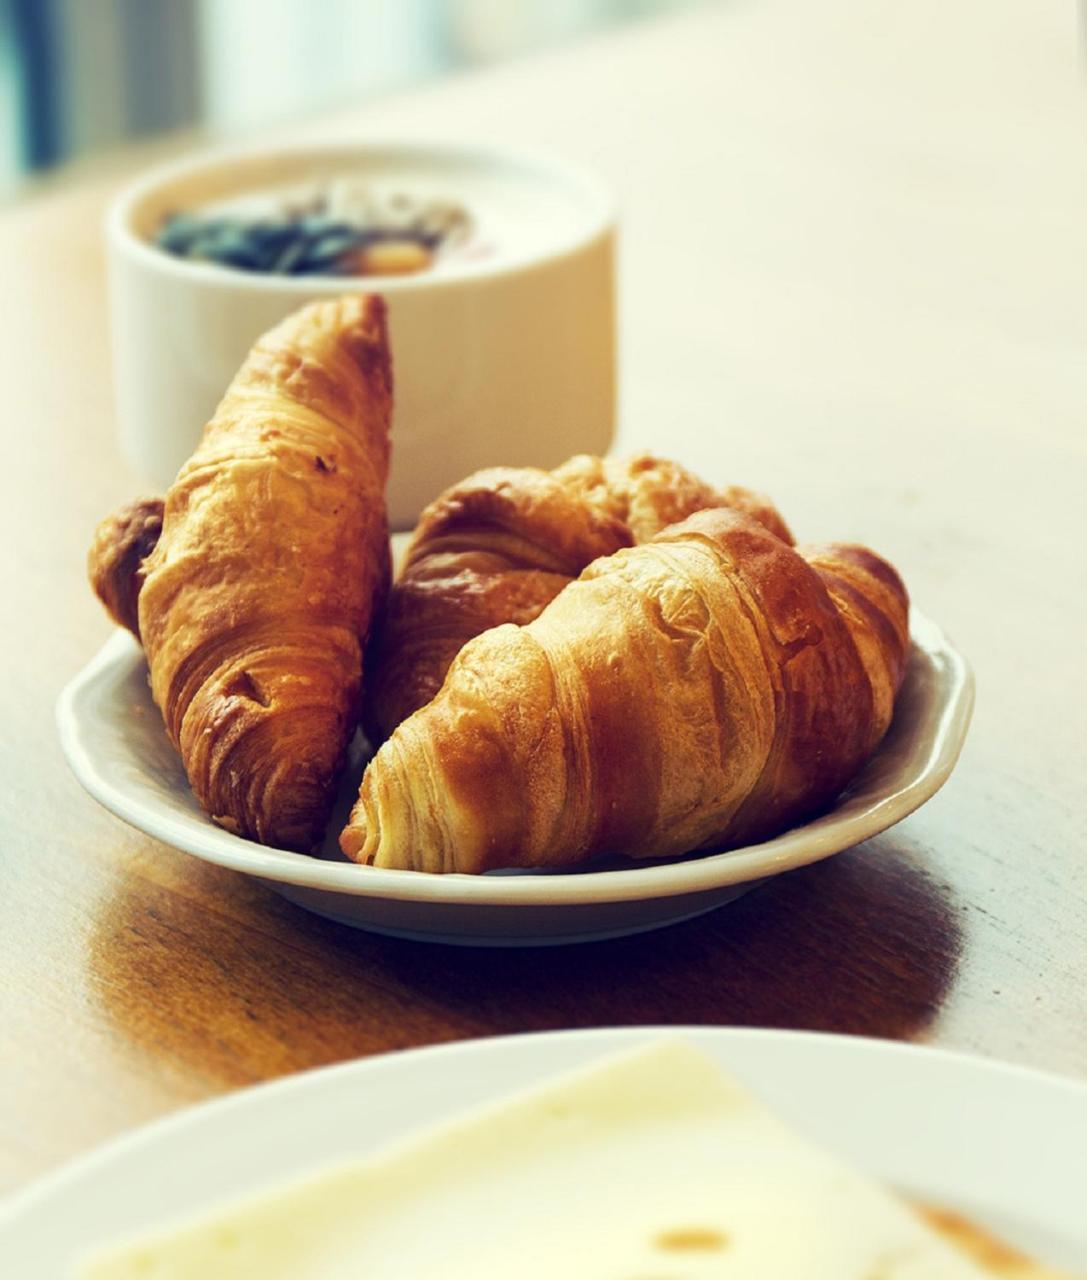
column 312, row 238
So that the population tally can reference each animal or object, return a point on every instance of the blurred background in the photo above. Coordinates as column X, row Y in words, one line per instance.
column 80, row 77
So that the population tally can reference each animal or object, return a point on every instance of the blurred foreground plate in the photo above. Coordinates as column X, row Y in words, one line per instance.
column 1004, row 1145
column 114, row 740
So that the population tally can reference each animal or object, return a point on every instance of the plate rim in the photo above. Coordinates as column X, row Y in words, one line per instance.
column 797, row 847
column 26, row 1199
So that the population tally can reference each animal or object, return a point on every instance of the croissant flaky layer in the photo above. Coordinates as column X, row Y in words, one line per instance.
column 706, row 688
column 256, row 601
column 499, row 546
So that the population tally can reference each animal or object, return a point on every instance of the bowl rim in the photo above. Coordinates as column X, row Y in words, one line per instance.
column 599, row 223
column 828, row 834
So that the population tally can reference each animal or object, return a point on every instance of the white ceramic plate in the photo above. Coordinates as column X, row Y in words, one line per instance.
column 113, row 737
column 1004, row 1145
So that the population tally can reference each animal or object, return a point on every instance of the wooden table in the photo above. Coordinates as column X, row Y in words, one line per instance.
column 853, row 275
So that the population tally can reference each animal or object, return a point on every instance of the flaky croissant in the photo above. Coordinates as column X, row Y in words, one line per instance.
column 503, row 543
column 709, row 687
column 255, row 603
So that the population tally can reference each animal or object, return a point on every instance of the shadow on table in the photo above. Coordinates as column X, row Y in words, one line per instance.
column 200, row 968
column 865, row 943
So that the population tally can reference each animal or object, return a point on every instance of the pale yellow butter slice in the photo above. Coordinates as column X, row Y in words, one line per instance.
column 650, row 1166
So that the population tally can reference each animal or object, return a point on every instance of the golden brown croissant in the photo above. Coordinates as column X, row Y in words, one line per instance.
column 502, row 544
column 257, row 599
column 707, row 688
column 122, row 542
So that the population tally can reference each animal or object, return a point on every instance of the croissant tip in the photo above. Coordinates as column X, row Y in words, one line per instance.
column 373, row 312
column 364, row 333
column 351, row 842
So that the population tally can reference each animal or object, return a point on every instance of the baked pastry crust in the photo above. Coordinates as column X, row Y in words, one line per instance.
column 122, row 542
column 499, row 546
column 256, row 601
column 709, row 687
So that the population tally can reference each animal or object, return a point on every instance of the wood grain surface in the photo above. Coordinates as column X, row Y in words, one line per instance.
column 853, row 275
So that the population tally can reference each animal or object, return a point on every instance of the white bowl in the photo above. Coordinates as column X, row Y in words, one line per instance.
column 114, row 740
column 508, row 356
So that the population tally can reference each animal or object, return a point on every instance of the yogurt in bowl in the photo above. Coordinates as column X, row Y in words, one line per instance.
column 503, row 339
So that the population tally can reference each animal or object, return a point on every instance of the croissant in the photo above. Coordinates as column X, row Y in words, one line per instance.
column 272, row 554
column 502, row 544
column 709, row 687
column 115, row 564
